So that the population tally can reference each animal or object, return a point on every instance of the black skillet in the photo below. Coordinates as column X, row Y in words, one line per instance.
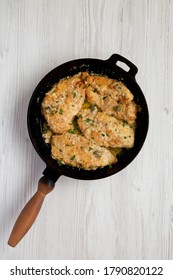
column 35, row 120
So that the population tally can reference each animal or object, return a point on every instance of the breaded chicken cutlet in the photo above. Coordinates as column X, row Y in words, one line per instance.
column 62, row 103
column 105, row 130
column 112, row 97
column 76, row 150
column 89, row 120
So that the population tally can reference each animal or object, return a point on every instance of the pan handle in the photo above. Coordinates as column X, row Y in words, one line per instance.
column 116, row 57
column 30, row 212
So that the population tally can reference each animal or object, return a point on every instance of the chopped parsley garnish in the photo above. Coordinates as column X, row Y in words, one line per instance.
column 89, row 149
column 74, row 94
column 59, row 162
column 73, row 157
column 110, row 166
column 61, row 111
column 71, row 131
column 52, row 113
column 88, row 120
column 124, row 122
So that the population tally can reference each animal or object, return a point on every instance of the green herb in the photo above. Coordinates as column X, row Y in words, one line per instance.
column 110, row 166
column 59, row 162
column 71, row 131
column 61, row 111
column 74, row 94
column 73, row 157
column 124, row 122
column 88, row 120
column 89, row 149
column 103, row 134
column 53, row 113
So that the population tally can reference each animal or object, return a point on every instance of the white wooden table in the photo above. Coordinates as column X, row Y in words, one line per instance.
column 128, row 215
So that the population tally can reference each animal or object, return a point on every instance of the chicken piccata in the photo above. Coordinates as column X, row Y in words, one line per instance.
column 89, row 119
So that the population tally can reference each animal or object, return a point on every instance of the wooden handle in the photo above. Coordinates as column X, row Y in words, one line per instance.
column 30, row 211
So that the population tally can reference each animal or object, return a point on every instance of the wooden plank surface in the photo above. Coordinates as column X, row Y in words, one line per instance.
column 128, row 215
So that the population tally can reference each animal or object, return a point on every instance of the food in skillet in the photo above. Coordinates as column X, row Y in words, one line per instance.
column 89, row 120
column 77, row 151
column 112, row 97
column 62, row 103
column 105, row 130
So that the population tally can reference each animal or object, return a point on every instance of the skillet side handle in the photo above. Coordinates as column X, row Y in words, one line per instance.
column 30, row 212
column 116, row 57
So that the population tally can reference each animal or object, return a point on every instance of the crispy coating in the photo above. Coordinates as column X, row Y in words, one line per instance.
column 89, row 120
column 62, row 103
column 76, row 150
column 105, row 130
column 112, row 97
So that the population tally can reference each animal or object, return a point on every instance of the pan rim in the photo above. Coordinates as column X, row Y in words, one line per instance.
column 67, row 170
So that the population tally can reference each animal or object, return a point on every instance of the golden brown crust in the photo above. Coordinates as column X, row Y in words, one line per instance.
column 62, row 103
column 112, row 97
column 105, row 130
column 89, row 120
column 76, row 150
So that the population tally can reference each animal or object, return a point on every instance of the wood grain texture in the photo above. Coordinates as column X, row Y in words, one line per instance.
column 126, row 216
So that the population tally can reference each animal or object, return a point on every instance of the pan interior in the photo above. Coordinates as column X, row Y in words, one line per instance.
column 36, row 120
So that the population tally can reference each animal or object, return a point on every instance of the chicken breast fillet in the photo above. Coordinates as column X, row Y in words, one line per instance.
column 63, row 102
column 89, row 120
column 105, row 130
column 112, row 97
column 76, row 150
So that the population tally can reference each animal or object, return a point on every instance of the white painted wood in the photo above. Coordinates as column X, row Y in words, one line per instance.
column 126, row 216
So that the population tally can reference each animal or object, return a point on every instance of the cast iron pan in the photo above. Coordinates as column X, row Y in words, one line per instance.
column 35, row 120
